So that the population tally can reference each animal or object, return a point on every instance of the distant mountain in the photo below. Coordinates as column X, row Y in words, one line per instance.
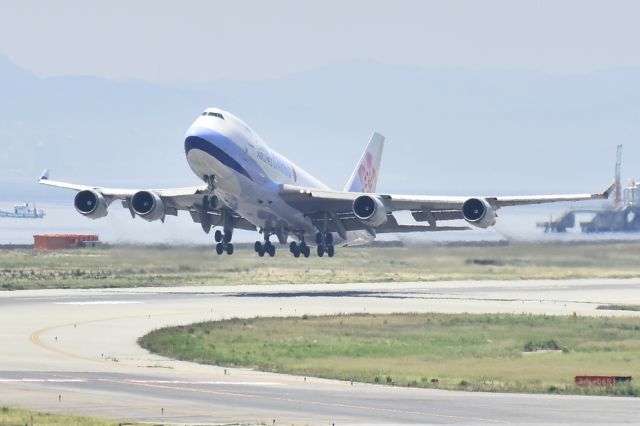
column 448, row 131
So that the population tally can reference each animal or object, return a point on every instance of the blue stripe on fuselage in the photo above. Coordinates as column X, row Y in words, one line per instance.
column 215, row 145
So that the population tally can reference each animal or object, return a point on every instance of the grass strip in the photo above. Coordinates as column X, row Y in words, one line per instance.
column 487, row 352
column 634, row 308
column 153, row 266
column 15, row 416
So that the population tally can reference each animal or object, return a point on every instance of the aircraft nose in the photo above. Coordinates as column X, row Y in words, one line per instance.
column 217, row 146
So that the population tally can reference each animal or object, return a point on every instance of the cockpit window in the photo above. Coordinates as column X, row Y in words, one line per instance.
column 204, row 113
column 216, row 114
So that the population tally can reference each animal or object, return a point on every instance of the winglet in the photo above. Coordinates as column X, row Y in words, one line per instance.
column 45, row 175
column 605, row 195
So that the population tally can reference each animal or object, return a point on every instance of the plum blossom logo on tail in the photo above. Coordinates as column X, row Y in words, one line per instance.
column 367, row 174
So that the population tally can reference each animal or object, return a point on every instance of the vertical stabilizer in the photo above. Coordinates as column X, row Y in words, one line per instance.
column 365, row 176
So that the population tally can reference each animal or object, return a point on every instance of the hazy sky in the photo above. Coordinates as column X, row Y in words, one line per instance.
column 207, row 40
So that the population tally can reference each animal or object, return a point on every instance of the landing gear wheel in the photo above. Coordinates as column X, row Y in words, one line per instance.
column 265, row 247
column 320, row 250
column 226, row 237
column 294, row 248
column 257, row 246
column 305, row 250
column 229, row 249
column 330, row 251
column 209, row 202
column 219, row 248
column 217, row 236
column 319, row 239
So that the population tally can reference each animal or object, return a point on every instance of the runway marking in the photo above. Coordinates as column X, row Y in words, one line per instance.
column 35, row 336
column 28, row 380
column 157, row 396
column 162, row 384
column 35, row 339
column 202, row 382
column 101, row 302
column 169, row 412
column 309, row 402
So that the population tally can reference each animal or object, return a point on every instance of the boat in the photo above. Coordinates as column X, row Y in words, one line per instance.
column 23, row 211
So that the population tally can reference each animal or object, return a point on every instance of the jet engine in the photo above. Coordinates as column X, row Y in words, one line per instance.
column 91, row 204
column 478, row 212
column 148, row 205
column 370, row 210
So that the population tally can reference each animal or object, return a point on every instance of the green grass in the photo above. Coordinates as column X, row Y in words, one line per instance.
column 489, row 352
column 16, row 417
column 142, row 266
column 635, row 308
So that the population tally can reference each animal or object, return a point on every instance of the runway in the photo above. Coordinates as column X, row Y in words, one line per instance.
column 75, row 351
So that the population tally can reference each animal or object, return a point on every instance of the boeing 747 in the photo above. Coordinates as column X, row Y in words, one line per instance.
column 249, row 186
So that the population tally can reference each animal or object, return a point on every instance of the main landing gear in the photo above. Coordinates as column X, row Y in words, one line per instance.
column 266, row 247
column 223, row 241
column 325, row 244
column 299, row 249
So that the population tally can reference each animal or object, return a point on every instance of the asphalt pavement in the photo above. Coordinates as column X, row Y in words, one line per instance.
column 75, row 351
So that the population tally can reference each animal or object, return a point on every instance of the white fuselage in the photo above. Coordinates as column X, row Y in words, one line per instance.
column 248, row 174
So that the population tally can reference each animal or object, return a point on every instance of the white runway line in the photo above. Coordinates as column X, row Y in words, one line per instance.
column 203, row 382
column 43, row 380
column 101, row 302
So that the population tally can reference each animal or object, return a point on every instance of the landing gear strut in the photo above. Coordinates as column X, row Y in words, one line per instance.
column 223, row 238
column 210, row 201
column 324, row 239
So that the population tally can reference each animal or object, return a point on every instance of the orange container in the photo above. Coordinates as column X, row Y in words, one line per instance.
column 63, row 241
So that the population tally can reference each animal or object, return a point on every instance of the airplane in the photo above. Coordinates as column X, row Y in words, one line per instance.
column 249, row 186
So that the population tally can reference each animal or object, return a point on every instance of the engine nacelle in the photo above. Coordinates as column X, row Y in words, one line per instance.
column 478, row 212
column 370, row 210
column 91, row 204
column 148, row 205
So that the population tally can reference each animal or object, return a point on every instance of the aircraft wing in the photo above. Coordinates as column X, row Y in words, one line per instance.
column 337, row 207
column 189, row 199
